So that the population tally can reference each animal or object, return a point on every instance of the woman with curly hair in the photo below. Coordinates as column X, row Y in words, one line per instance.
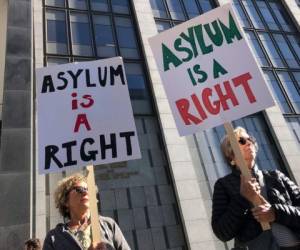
column 72, row 200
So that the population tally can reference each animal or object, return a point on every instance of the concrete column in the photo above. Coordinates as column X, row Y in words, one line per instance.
column 189, row 181
column 15, row 156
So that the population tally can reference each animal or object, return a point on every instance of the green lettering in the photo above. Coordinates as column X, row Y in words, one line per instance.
column 202, row 73
column 217, row 37
column 199, row 34
column 178, row 47
column 232, row 31
column 190, row 38
column 191, row 77
column 218, row 69
column 169, row 57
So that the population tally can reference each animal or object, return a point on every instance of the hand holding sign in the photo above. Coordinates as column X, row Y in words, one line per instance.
column 209, row 75
column 84, row 116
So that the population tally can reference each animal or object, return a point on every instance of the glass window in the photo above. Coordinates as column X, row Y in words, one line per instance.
column 56, row 32
column 297, row 76
column 126, row 37
column 120, row 6
column 158, row 8
column 277, row 92
column 55, row 61
column 100, row 5
column 205, row 5
column 270, row 48
column 240, row 14
column 281, row 16
column 81, row 35
column 257, row 49
column 80, row 59
column 77, row 4
column 263, row 8
column 161, row 25
column 295, row 42
column 253, row 14
column 191, row 8
column 291, row 90
column 57, row 3
column 105, row 43
column 175, row 9
column 285, row 51
column 136, row 81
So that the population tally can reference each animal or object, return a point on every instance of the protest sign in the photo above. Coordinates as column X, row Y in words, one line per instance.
column 208, row 71
column 84, row 115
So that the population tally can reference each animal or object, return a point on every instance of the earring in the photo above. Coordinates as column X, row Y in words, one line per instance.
column 232, row 162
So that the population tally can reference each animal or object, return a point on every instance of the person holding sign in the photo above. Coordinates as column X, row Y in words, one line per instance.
column 72, row 201
column 233, row 215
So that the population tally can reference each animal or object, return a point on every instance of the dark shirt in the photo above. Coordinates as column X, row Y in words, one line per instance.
column 231, row 215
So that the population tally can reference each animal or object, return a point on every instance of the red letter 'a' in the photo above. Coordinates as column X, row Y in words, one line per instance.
column 82, row 119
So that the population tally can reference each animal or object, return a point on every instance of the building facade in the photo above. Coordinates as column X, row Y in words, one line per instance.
column 162, row 201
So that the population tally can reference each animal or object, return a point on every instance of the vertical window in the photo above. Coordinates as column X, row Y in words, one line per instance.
column 253, row 14
column 285, row 51
column 295, row 42
column 126, row 37
column 55, row 61
column 104, row 36
column 291, row 90
column 270, row 48
column 257, row 49
column 240, row 14
column 276, row 46
column 297, row 77
column 120, row 6
column 56, row 32
column 175, row 9
column 57, row 3
column 206, row 5
column 277, row 92
column 282, row 16
column 80, row 34
column 78, row 4
column 191, row 8
column 101, row 5
column 158, row 8
column 162, row 25
column 136, row 81
column 270, row 21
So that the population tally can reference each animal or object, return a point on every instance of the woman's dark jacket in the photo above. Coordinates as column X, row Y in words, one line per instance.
column 231, row 214
column 60, row 238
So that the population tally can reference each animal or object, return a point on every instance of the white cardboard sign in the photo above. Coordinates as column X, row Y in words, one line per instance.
column 84, row 115
column 208, row 71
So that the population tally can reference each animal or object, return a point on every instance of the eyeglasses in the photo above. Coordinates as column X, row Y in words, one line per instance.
column 243, row 140
column 80, row 190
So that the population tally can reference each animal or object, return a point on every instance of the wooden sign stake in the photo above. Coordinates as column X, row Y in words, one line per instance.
column 242, row 164
column 96, row 233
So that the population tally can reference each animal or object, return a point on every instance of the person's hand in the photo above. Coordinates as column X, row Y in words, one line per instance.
column 98, row 246
column 250, row 189
column 264, row 213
